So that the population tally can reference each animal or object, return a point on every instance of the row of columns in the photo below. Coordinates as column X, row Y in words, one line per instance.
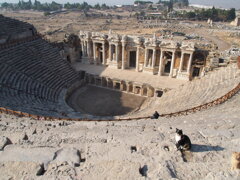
column 84, row 48
column 173, row 62
column 103, row 52
column 87, row 51
column 189, row 62
column 116, row 52
column 153, row 58
column 126, row 86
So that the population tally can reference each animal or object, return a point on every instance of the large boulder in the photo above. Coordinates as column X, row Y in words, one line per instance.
column 42, row 155
column 70, row 155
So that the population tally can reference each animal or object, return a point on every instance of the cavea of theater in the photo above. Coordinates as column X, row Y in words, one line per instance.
column 82, row 107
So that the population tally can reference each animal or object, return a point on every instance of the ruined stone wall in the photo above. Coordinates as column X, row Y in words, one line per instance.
column 71, row 54
column 148, row 51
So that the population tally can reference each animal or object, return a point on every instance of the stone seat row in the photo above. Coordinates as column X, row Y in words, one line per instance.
column 30, row 104
column 200, row 91
column 63, row 69
column 9, row 25
column 24, row 83
column 34, row 67
column 33, row 75
column 37, row 76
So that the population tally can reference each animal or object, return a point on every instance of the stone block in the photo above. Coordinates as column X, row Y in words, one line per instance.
column 70, row 155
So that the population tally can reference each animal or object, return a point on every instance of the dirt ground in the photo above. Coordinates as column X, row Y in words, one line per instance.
column 144, row 149
column 104, row 102
column 54, row 27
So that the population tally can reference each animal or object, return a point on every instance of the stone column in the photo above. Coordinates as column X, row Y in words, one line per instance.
column 116, row 52
column 110, row 52
column 149, row 92
column 134, row 89
column 190, row 63
column 154, row 58
column 103, row 51
column 172, row 63
column 121, row 86
column 102, row 81
column 94, row 51
column 128, row 86
column 114, row 84
column 123, row 55
column 89, row 48
column 141, row 90
column 86, row 52
column 137, row 58
column 146, row 57
column 181, row 62
column 82, row 48
column 161, row 63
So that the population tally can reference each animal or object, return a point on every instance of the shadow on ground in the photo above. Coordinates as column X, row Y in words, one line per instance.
column 205, row 148
column 100, row 101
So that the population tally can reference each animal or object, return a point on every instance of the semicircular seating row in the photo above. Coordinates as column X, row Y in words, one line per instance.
column 198, row 92
column 11, row 26
column 33, row 75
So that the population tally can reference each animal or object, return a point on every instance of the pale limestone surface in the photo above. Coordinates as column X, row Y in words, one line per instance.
column 106, row 147
column 143, row 149
column 130, row 75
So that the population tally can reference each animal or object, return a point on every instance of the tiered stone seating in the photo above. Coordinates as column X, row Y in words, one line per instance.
column 198, row 92
column 33, row 75
column 13, row 26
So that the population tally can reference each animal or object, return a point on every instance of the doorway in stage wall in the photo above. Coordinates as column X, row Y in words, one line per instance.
column 196, row 72
column 167, row 67
column 101, row 57
column 132, row 59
